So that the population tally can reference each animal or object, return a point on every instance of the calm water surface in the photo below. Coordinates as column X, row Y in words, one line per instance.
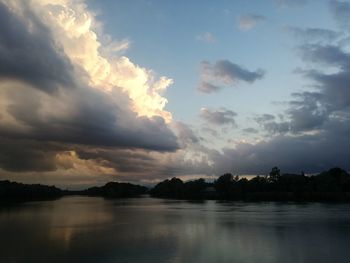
column 83, row 229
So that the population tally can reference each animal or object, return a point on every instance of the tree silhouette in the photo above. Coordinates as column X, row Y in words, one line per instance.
column 274, row 175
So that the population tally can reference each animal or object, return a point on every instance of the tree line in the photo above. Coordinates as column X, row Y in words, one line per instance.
column 23, row 192
column 332, row 185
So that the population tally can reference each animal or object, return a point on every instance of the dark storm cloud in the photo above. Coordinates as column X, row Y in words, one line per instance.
column 341, row 12
column 27, row 155
column 93, row 119
column 310, row 153
column 122, row 160
column 223, row 73
column 30, row 55
column 220, row 116
column 313, row 34
column 37, row 110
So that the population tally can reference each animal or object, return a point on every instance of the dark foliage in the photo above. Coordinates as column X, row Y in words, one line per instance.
column 13, row 191
column 176, row 188
column 332, row 185
column 116, row 190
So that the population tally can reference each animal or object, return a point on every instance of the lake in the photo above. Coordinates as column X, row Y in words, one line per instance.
column 89, row 229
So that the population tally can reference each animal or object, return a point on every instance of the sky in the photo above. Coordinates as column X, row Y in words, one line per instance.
column 144, row 90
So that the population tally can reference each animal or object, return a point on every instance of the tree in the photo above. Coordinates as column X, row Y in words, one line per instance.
column 274, row 175
column 224, row 184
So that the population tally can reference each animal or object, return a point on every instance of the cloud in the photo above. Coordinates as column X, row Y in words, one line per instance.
column 185, row 133
column 307, row 113
column 228, row 72
column 25, row 155
column 333, row 86
column 206, row 37
column 123, row 161
column 313, row 34
column 140, row 165
column 206, row 87
column 291, row 3
column 30, row 54
column 88, row 117
column 115, row 46
column 249, row 21
column 224, row 72
column 73, row 26
column 328, row 55
column 265, row 118
column 270, row 125
column 58, row 93
column 218, row 117
column 341, row 12
column 309, row 153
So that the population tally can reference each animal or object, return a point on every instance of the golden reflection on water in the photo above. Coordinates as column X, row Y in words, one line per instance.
column 71, row 218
